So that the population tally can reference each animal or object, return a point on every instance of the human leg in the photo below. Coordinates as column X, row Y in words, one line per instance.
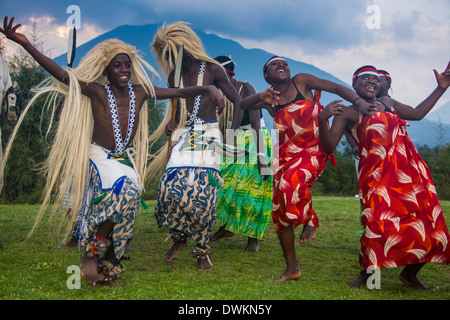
column 89, row 262
column 409, row 276
column 360, row 280
column 179, row 242
column 252, row 245
column 221, row 233
column 308, row 233
column 287, row 241
column 202, row 253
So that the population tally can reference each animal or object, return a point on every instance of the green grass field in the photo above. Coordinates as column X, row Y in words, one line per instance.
column 37, row 269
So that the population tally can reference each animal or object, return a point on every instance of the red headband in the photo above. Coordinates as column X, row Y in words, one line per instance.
column 385, row 75
column 230, row 72
column 367, row 70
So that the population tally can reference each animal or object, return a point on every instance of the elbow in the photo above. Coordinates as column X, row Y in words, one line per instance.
column 327, row 149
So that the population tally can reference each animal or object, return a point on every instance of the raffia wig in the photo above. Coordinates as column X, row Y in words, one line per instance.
column 67, row 165
column 166, row 43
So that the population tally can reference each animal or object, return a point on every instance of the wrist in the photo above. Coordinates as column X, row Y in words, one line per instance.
column 323, row 117
column 260, row 97
column 355, row 101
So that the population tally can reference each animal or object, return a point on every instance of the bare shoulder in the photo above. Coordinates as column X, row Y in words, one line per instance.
column 247, row 89
column 215, row 69
column 93, row 90
column 350, row 115
column 303, row 77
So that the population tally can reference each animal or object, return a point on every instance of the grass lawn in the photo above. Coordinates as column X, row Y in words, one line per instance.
column 37, row 269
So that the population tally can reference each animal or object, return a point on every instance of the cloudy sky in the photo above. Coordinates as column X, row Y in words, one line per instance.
column 407, row 38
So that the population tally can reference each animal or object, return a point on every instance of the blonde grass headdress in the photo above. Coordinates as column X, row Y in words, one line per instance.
column 67, row 165
column 166, row 43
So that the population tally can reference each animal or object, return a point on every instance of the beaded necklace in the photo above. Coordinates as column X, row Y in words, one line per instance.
column 120, row 144
column 193, row 117
column 289, row 83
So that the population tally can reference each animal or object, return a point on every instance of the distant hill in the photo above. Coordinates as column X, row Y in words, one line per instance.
column 427, row 132
column 440, row 115
column 249, row 66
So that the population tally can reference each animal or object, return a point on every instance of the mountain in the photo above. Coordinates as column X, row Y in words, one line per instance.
column 249, row 64
column 440, row 115
column 428, row 132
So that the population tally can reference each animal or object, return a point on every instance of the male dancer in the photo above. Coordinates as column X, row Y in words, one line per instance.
column 187, row 194
column 104, row 112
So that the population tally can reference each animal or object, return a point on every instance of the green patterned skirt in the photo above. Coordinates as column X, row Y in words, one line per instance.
column 244, row 204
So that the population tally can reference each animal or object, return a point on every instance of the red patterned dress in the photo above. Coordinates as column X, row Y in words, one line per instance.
column 298, row 161
column 401, row 214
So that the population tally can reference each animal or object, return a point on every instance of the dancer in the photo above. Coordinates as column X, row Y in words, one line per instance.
column 104, row 112
column 299, row 158
column 187, row 195
column 385, row 81
column 402, row 217
column 244, row 203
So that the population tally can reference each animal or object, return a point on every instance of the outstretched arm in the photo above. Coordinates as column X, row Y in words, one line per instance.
column 420, row 111
column 255, row 121
column 189, row 92
column 10, row 31
column 315, row 83
column 267, row 99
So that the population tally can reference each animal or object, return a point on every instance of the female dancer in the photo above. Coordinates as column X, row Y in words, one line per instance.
column 299, row 158
column 402, row 217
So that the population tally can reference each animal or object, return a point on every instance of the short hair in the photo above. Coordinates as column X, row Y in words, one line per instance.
column 367, row 69
column 270, row 60
column 225, row 62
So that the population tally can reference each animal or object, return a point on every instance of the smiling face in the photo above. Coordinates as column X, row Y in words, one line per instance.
column 119, row 70
column 277, row 71
column 367, row 86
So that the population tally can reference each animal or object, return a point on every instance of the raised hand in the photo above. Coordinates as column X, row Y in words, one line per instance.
column 9, row 30
column 332, row 109
column 443, row 79
column 217, row 98
column 367, row 108
column 270, row 96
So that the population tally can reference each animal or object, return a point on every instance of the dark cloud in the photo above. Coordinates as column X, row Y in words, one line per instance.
column 303, row 21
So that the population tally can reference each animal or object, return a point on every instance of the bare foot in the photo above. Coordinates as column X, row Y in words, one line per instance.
column 72, row 242
column 412, row 280
column 128, row 247
column 289, row 275
column 204, row 264
column 172, row 254
column 308, row 233
column 221, row 233
column 89, row 269
column 252, row 245
column 360, row 280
